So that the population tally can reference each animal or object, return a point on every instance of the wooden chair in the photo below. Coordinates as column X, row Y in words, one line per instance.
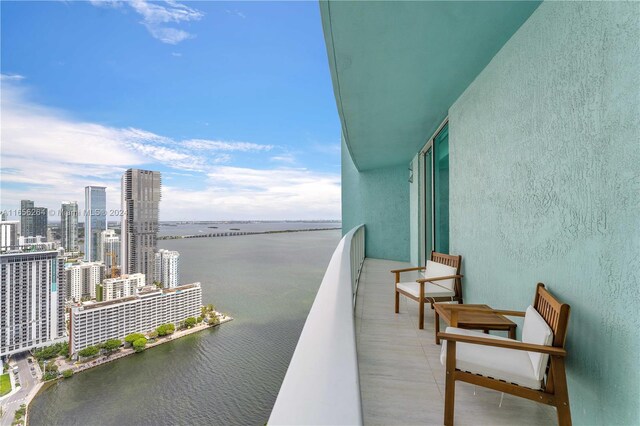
column 441, row 282
column 475, row 358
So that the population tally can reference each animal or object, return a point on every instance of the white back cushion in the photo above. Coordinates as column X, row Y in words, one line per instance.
column 435, row 269
column 536, row 331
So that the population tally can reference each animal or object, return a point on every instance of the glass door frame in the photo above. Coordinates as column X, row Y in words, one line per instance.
column 428, row 230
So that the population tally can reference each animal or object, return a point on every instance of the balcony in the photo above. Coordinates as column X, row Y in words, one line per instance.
column 364, row 364
column 401, row 377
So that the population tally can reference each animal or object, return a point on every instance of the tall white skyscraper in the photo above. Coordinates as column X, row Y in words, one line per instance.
column 69, row 225
column 109, row 253
column 167, row 268
column 139, row 229
column 82, row 280
column 32, row 295
column 9, row 234
column 95, row 219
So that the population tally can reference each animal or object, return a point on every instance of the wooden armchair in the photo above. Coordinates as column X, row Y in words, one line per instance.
column 440, row 282
column 510, row 366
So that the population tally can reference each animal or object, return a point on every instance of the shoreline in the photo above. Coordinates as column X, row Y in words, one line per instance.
column 104, row 359
column 242, row 233
column 124, row 352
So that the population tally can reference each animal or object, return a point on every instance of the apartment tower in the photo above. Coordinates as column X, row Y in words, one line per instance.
column 139, row 230
column 69, row 225
column 167, row 268
column 8, row 234
column 95, row 219
column 32, row 296
column 33, row 220
column 109, row 252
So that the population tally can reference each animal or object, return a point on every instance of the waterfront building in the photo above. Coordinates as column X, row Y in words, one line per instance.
column 8, row 234
column 109, row 253
column 32, row 296
column 123, row 286
column 83, row 279
column 167, row 268
column 69, row 225
column 141, row 193
column 95, row 219
column 33, row 220
column 504, row 132
column 94, row 323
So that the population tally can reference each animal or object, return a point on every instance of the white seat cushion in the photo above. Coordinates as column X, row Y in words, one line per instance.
column 430, row 290
column 535, row 330
column 435, row 269
column 510, row 365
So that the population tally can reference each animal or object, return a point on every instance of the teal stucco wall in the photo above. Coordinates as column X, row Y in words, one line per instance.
column 415, row 223
column 380, row 200
column 545, row 187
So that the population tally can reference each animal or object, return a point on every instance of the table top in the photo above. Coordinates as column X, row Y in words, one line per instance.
column 473, row 319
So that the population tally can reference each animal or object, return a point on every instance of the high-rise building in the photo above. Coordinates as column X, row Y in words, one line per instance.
column 167, row 269
column 109, row 253
column 32, row 295
column 69, row 225
column 123, row 286
column 8, row 234
column 96, row 323
column 33, row 220
column 95, row 219
column 83, row 279
column 139, row 230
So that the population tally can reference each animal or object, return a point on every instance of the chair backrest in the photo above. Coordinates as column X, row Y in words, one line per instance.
column 556, row 314
column 453, row 261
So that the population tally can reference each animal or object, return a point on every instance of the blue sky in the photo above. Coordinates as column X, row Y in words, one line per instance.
column 232, row 102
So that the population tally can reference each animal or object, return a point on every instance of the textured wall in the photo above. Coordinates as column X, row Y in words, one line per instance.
column 379, row 199
column 414, row 217
column 545, row 186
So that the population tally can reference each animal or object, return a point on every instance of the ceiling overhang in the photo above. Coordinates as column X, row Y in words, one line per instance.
column 397, row 67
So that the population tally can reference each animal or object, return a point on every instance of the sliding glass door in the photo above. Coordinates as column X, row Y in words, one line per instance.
column 436, row 193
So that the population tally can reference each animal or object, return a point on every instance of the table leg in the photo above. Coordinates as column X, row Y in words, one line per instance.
column 437, row 327
column 512, row 332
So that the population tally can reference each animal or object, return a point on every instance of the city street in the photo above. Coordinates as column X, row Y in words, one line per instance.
column 29, row 385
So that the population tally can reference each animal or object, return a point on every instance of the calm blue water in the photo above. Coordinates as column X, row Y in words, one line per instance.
column 229, row 375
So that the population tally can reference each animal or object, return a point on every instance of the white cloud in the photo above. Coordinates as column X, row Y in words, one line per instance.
column 245, row 194
column 156, row 16
column 209, row 145
column 236, row 13
column 287, row 158
column 11, row 77
column 50, row 156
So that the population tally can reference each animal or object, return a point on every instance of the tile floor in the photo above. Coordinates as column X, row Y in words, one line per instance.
column 401, row 378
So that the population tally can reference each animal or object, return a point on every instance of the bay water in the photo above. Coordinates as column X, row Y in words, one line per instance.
column 228, row 375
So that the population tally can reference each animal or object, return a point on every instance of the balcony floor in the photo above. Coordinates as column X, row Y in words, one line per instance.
column 401, row 378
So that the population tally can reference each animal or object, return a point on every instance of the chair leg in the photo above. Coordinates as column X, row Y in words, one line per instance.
column 397, row 302
column 561, row 391
column 421, row 318
column 450, row 384
column 436, row 320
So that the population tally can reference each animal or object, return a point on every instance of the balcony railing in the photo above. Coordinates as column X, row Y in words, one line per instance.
column 321, row 385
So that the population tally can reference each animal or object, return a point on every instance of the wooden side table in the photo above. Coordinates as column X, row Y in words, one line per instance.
column 484, row 321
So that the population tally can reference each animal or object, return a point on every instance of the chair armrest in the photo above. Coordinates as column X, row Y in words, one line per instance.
column 487, row 310
column 448, row 277
column 397, row 271
column 551, row 350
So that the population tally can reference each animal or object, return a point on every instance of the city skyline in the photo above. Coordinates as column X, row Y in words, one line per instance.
column 257, row 139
